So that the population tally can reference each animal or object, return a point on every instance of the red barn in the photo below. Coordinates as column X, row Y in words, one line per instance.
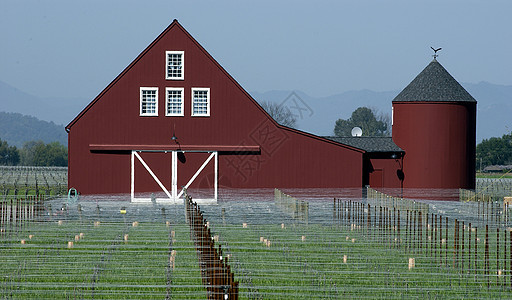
column 174, row 117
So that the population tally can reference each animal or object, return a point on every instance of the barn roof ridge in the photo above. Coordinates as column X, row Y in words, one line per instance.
column 434, row 84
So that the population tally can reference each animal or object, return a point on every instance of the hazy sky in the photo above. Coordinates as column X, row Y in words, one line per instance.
column 76, row 48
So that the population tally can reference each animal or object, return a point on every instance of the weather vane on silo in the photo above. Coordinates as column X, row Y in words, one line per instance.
column 435, row 52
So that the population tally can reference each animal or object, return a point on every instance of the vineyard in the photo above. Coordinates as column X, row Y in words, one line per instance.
column 23, row 181
column 261, row 244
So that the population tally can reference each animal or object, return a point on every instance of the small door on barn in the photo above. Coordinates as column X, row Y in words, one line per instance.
column 377, row 178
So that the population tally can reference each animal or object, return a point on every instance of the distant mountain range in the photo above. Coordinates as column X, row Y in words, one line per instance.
column 316, row 115
column 58, row 110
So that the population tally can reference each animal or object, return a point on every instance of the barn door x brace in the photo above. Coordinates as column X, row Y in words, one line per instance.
column 173, row 196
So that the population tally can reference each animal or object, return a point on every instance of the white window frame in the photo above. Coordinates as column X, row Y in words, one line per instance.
column 182, row 77
column 142, row 114
column 207, row 114
column 182, row 104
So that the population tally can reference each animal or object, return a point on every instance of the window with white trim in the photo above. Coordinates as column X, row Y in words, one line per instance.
column 201, row 102
column 174, row 101
column 174, row 65
column 149, row 101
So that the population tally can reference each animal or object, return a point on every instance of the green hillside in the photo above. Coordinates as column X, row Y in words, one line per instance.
column 17, row 129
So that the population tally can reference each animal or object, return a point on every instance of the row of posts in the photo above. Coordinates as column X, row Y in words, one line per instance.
column 215, row 271
column 429, row 234
column 489, row 208
column 14, row 213
column 295, row 208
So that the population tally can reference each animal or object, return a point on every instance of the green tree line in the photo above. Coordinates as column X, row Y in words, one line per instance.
column 34, row 153
column 370, row 121
column 495, row 151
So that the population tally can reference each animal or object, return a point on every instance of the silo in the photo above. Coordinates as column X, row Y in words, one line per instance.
column 434, row 121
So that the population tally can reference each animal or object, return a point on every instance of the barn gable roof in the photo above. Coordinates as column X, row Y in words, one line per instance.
column 435, row 84
column 175, row 25
column 369, row 144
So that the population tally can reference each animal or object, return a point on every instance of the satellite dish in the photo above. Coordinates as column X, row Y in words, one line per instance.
column 356, row 131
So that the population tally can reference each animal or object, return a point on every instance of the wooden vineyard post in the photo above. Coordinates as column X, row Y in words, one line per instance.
column 344, row 212
column 340, row 211
column 343, row 215
column 510, row 257
column 458, row 244
column 426, row 233
column 369, row 220
column 476, row 251
column 355, row 215
column 504, row 256
column 498, row 254
column 362, row 215
column 436, row 229
column 349, row 210
column 486, row 255
column 440, row 240
column 380, row 222
column 398, row 231
column 492, row 211
column 407, row 230
column 455, row 241
column 375, row 222
column 462, row 248
column 394, row 227
column 487, row 211
column 446, row 245
column 388, row 226
column 469, row 247
column 385, row 224
column 420, row 241
column 432, row 235
column 358, row 219
column 341, row 208
column 414, row 232
column 333, row 211
column 411, row 231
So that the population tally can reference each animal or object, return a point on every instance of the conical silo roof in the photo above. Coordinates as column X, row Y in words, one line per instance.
column 434, row 84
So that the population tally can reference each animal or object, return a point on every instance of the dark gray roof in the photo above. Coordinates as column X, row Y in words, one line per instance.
column 434, row 83
column 368, row 144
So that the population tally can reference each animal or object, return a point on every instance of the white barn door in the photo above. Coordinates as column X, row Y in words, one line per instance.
column 172, row 196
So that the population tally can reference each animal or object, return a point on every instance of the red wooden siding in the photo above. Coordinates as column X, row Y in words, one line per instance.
column 439, row 140
column 383, row 172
